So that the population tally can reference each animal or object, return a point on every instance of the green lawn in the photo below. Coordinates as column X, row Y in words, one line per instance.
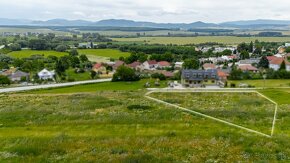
column 78, row 76
column 107, row 53
column 28, row 53
column 106, row 86
column 117, row 124
column 202, row 39
column 260, row 83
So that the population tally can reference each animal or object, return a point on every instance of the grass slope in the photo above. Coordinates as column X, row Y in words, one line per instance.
column 122, row 126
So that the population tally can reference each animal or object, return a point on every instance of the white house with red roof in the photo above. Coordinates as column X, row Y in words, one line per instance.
column 150, row 65
column 276, row 63
column 99, row 68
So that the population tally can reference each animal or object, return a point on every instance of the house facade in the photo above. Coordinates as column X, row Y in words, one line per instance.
column 150, row 65
column 46, row 75
column 99, row 68
column 192, row 78
column 275, row 63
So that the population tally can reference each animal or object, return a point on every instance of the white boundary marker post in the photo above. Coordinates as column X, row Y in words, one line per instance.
column 210, row 117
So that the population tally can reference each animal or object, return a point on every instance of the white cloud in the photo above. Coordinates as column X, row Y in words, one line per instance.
column 147, row 10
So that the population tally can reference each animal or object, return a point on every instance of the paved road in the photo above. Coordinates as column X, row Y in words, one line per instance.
column 27, row 88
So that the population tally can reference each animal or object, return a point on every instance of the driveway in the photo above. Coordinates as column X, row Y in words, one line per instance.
column 27, row 88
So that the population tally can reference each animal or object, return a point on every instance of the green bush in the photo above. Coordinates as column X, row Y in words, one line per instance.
column 139, row 107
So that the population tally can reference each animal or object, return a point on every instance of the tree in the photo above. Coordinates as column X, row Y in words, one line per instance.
column 83, row 58
column 61, row 48
column 38, row 44
column 283, row 66
column 191, row 64
column 73, row 52
column 74, row 61
column 236, row 74
column 93, row 74
column 124, row 73
column 264, row 62
column 158, row 76
column 244, row 55
column 287, row 50
column 4, row 80
column 251, row 46
column 15, row 47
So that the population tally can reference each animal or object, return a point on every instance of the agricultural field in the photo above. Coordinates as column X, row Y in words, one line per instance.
column 28, row 53
column 33, row 30
column 102, row 55
column 230, row 40
column 115, row 123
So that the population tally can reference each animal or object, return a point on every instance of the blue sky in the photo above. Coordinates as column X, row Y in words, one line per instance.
column 147, row 10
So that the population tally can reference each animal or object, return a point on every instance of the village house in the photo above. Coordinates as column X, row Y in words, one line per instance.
column 178, row 65
column 163, row 64
column 208, row 66
column 46, row 75
column 223, row 76
column 248, row 68
column 99, row 68
column 195, row 78
column 249, row 61
column 118, row 64
column 136, row 65
column 15, row 75
column 276, row 63
column 150, row 65
column 18, row 76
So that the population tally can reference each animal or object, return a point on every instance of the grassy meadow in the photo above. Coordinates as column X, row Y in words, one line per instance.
column 269, row 83
column 28, row 53
column 106, row 53
column 232, row 40
column 113, row 122
column 245, row 109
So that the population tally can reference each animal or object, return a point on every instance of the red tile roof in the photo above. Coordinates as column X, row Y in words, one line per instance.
column 222, row 74
column 164, row 63
column 152, row 62
column 134, row 64
column 248, row 68
column 276, row 61
column 270, row 58
column 97, row 66
column 209, row 66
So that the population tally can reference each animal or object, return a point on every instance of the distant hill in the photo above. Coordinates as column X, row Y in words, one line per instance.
column 258, row 22
column 249, row 24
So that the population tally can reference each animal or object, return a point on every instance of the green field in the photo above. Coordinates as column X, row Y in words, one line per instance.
column 113, row 122
column 103, row 53
column 202, row 39
column 260, row 83
column 28, row 53
column 115, row 86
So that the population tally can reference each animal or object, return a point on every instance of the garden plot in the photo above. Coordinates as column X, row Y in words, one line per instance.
column 246, row 110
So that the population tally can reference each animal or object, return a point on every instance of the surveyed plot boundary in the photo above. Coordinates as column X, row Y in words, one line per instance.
column 211, row 117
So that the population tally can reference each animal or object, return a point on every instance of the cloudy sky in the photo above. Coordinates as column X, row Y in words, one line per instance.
column 147, row 10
